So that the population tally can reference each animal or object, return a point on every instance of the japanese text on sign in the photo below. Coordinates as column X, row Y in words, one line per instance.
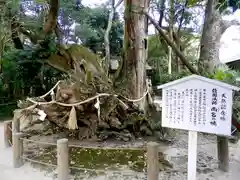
column 197, row 103
column 175, row 105
column 196, row 108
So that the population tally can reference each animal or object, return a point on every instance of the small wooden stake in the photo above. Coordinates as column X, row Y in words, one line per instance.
column 62, row 159
column 16, row 121
column 223, row 153
column 17, row 150
column 152, row 161
column 7, row 134
column 192, row 155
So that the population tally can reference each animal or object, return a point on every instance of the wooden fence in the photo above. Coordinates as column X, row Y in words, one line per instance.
column 13, row 137
column 63, row 168
column 8, row 133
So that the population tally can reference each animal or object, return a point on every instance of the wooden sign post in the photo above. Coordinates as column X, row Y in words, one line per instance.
column 197, row 104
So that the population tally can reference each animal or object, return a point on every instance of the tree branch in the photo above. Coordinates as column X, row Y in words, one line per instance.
column 33, row 38
column 214, row 27
column 161, row 12
column 182, row 16
column 107, row 32
column 51, row 22
column 177, row 35
column 106, row 37
column 226, row 24
column 174, row 47
column 118, row 4
column 58, row 33
column 15, row 35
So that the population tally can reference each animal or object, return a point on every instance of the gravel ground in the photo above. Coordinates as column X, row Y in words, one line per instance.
column 176, row 154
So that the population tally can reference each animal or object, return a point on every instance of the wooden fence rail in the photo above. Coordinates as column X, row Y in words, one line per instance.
column 63, row 167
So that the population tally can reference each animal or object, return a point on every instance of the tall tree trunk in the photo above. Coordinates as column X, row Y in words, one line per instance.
column 180, row 66
column 210, row 41
column 171, row 24
column 12, row 16
column 51, row 22
column 106, row 37
column 213, row 29
column 135, row 47
column 107, row 33
column 59, row 34
column 2, row 47
column 2, row 29
column 15, row 34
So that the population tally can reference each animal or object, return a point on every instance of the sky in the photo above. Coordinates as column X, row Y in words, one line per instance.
column 92, row 2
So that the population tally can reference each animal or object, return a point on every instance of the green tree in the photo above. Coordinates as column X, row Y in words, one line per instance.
column 92, row 30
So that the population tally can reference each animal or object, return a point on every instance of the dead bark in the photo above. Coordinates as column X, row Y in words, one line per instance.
column 171, row 43
column 114, row 120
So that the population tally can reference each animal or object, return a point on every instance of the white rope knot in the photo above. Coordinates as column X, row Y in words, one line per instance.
column 42, row 115
column 97, row 106
column 52, row 93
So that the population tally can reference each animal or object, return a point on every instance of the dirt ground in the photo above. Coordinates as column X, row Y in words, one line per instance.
column 207, row 164
column 175, row 153
column 26, row 172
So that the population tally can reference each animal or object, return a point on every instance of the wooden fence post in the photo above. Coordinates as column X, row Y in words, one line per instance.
column 62, row 159
column 17, row 150
column 7, row 134
column 16, row 121
column 152, row 161
column 223, row 153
